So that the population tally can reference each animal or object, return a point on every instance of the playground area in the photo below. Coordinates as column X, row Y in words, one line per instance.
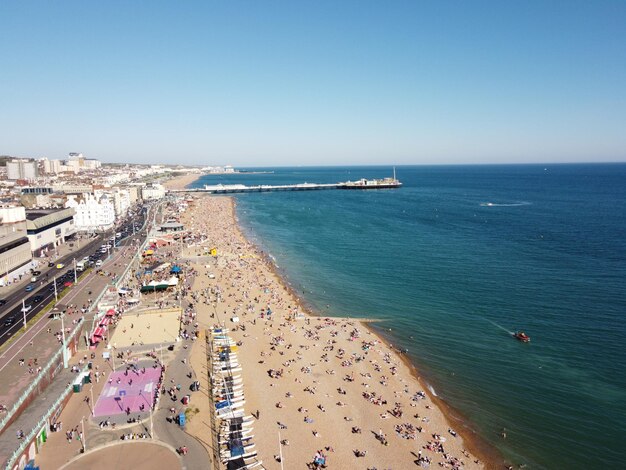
column 131, row 391
column 154, row 326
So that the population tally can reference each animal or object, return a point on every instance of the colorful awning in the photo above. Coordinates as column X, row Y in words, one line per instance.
column 99, row 331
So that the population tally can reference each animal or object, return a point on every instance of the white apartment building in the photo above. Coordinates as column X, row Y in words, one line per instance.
column 22, row 170
column 121, row 202
column 154, row 191
column 51, row 166
column 93, row 213
column 73, row 165
column 91, row 164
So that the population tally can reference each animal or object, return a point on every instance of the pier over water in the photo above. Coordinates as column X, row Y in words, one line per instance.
column 240, row 188
column 387, row 183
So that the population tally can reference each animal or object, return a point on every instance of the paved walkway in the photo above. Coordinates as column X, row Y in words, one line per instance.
column 56, row 453
column 39, row 343
column 31, row 416
column 145, row 455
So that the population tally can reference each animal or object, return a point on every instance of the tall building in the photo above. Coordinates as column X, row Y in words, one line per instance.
column 154, row 191
column 121, row 202
column 15, row 253
column 91, row 164
column 51, row 166
column 76, row 162
column 22, row 170
column 92, row 213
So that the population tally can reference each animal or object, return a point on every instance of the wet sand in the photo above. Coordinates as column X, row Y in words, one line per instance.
column 324, row 384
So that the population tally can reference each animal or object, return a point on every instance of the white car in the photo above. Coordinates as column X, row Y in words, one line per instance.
column 211, row 276
column 99, row 263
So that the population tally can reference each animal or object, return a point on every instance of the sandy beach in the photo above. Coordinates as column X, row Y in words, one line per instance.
column 182, row 181
column 317, row 384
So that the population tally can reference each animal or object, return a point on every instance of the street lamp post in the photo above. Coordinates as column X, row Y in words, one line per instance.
column 82, row 425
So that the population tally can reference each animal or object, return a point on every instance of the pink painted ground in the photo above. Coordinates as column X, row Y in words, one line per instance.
column 116, row 397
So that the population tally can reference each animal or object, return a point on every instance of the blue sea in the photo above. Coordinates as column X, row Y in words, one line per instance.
column 456, row 260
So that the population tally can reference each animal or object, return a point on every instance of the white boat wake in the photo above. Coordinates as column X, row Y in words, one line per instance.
column 510, row 204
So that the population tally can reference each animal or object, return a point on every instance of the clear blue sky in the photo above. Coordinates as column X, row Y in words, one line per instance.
column 314, row 82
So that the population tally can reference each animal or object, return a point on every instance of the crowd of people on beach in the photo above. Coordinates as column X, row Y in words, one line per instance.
column 246, row 290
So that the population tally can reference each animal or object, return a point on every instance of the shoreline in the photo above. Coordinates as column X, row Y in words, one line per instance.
column 474, row 442
column 181, row 181
column 481, row 453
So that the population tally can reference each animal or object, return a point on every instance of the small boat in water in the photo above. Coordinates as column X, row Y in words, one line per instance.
column 523, row 337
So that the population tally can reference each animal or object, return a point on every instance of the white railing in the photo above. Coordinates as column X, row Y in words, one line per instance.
column 35, row 383
column 27, row 439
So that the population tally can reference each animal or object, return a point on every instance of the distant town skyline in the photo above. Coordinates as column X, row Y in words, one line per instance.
column 315, row 83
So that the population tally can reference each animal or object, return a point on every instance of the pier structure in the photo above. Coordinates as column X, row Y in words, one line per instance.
column 240, row 188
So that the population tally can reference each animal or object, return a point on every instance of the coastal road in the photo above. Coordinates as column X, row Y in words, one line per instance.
column 12, row 318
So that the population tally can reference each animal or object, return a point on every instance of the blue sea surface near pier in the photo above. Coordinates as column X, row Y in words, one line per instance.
column 454, row 262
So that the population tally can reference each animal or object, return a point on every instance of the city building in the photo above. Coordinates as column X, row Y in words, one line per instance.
column 153, row 191
column 72, row 188
column 49, row 228
column 91, row 164
column 22, row 170
column 121, row 202
column 51, row 166
column 92, row 214
column 15, row 255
